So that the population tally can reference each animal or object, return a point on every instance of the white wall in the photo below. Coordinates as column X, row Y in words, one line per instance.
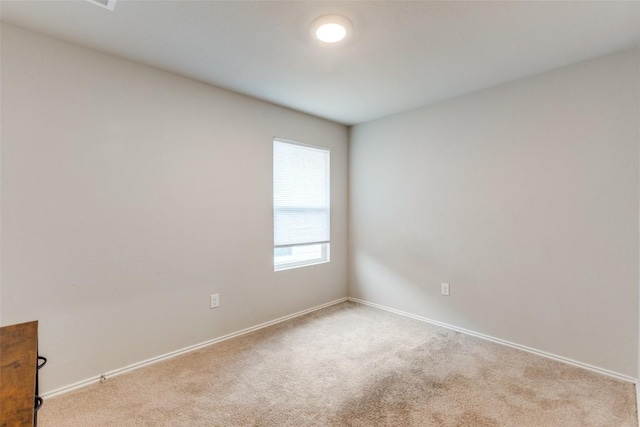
column 524, row 197
column 130, row 194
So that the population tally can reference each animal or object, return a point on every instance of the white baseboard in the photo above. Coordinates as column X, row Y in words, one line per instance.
column 115, row 372
column 172, row 354
column 503, row 342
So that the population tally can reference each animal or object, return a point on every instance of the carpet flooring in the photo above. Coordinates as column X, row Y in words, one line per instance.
column 350, row 365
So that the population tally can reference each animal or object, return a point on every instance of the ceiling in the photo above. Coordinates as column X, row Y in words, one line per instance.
column 401, row 54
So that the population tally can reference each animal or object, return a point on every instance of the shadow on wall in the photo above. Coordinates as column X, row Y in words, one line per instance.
column 381, row 282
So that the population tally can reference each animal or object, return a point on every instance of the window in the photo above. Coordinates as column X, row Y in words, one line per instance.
column 301, row 207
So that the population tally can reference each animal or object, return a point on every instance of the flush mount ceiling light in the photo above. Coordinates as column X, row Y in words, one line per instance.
column 330, row 28
column 107, row 4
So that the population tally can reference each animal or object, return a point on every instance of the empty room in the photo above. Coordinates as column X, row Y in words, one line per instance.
column 313, row 213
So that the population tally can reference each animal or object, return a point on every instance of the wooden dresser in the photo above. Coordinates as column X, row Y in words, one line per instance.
column 18, row 372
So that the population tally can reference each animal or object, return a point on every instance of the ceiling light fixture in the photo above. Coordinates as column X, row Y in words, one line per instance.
column 331, row 28
column 107, row 4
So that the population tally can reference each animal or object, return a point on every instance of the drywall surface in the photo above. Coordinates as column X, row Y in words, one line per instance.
column 524, row 197
column 129, row 195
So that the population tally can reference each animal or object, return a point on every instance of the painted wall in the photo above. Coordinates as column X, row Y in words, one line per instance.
column 130, row 194
column 524, row 197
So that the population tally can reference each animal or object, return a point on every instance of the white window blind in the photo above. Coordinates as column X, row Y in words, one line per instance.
column 301, row 199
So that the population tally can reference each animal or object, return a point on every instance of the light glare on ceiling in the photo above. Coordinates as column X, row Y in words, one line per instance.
column 331, row 33
column 330, row 28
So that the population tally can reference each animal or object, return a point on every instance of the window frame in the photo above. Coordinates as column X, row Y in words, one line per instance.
column 325, row 246
column 324, row 257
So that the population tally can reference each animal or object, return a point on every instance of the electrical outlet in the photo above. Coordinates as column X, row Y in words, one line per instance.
column 444, row 289
column 215, row 300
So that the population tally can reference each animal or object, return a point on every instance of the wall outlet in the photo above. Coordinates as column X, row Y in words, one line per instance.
column 215, row 300
column 444, row 289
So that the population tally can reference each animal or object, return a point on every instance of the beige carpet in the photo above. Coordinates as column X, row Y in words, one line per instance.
column 351, row 365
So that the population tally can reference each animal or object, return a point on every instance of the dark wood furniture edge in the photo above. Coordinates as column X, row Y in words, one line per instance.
column 18, row 368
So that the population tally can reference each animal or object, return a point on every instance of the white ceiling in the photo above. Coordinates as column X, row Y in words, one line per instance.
column 401, row 55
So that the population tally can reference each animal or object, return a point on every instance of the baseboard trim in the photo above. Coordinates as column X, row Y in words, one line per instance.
column 166, row 356
column 572, row 362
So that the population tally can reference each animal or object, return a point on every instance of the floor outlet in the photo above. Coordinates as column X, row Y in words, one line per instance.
column 445, row 289
column 215, row 300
